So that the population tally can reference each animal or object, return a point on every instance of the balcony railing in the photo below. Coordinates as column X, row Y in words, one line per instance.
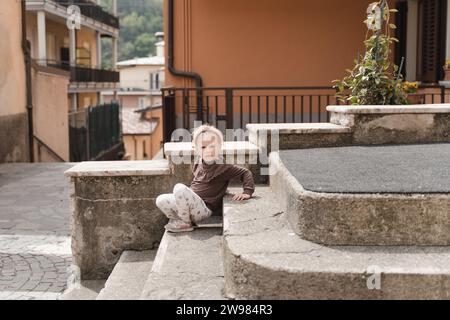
column 93, row 10
column 83, row 74
column 94, row 131
column 235, row 107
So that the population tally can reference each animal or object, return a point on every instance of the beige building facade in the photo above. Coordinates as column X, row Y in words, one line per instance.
column 13, row 103
column 141, row 80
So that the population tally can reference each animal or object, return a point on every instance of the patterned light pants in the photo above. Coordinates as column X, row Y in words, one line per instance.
column 183, row 204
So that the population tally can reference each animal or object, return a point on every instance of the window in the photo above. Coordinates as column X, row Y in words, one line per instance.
column 141, row 103
column 144, row 151
column 154, row 81
column 432, row 17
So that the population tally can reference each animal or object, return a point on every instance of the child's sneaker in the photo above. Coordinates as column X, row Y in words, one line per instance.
column 177, row 226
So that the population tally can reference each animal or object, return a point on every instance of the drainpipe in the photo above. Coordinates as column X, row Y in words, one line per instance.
column 27, row 56
column 170, row 64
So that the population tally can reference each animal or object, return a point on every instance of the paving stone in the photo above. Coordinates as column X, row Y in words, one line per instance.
column 34, row 231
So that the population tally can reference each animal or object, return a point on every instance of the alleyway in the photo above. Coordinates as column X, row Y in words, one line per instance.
column 34, row 231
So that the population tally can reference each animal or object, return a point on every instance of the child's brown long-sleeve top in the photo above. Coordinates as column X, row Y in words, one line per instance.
column 211, row 182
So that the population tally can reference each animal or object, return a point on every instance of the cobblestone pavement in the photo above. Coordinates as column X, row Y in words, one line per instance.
column 34, row 231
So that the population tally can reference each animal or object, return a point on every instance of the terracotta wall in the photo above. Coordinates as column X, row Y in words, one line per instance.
column 13, row 116
column 267, row 42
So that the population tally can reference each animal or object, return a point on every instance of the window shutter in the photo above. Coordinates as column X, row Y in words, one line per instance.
column 433, row 27
column 401, row 19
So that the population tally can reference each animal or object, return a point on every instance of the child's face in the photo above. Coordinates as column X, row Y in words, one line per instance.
column 208, row 146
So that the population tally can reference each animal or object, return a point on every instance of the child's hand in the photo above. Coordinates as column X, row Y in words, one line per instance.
column 241, row 197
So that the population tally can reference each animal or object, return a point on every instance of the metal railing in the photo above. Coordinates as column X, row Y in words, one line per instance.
column 82, row 73
column 235, row 107
column 93, row 10
column 93, row 131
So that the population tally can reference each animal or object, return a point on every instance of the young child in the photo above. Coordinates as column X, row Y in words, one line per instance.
column 187, row 206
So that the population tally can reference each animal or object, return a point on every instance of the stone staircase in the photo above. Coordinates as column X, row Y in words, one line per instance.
column 265, row 259
column 127, row 280
column 269, row 248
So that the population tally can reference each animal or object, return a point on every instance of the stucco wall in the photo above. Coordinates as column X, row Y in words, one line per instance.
column 13, row 117
column 138, row 76
column 50, row 116
column 266, row 42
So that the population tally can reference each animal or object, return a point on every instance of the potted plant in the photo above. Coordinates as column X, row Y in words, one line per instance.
column 375, row 80
column 447, row 70
column 411, row 89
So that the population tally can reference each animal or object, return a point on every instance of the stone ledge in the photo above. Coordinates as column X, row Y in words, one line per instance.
column 229, row 147
column 299, row 128
column 119, row 168
column 434, row 108
column 361, row 219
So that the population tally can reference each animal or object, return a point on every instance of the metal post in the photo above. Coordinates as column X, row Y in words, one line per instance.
column 229, row 107
column 88, row 144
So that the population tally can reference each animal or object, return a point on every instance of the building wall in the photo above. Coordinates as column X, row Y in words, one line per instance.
column 87, row 99
column 87, row 39
column 57, row 37
column 137, row 76
column 134, row 144
column 157, row 136
column 266, row 42
column 50, row 116
column 13, row 115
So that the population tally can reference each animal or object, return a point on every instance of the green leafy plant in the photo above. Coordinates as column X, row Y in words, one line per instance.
column 374, row 80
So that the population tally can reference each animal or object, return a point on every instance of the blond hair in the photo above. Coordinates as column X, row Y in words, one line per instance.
column 206, row 128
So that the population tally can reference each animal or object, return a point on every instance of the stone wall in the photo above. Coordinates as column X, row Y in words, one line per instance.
column 113, row 209
column 377, row 125
column 14, row 147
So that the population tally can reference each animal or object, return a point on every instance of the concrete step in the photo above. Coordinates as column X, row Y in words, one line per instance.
column 299, row 135
column 265, row 259
column 305, row 184
column 188, row 266
column 86, row 290
column 127, row 280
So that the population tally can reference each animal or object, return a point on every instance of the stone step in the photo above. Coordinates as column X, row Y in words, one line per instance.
column 334, row 196
column 265, row 259
column 188, row 266
column 127, row 280
column 85, row 290
column 298, row 135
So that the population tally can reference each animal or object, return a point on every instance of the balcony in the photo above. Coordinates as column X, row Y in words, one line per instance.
column 82, row 73
column 92, row 10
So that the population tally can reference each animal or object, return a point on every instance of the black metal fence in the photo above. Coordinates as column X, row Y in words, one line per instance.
column 92, row 10
column 236, row 107
column 93, row 131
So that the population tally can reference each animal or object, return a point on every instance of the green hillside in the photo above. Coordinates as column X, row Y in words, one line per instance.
column 139, row 20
